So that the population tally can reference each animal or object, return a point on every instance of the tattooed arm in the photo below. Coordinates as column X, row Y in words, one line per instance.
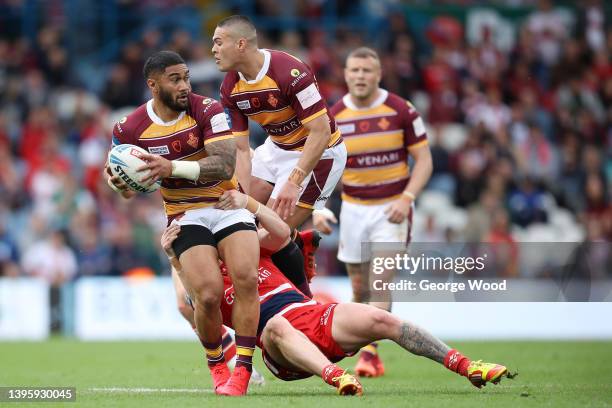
column 420, row 342
column 219, row 164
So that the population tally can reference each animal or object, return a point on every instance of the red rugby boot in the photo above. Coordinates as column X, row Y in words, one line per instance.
column 238, row 383
column 310, row 239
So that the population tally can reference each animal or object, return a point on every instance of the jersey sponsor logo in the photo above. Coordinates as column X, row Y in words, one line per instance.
column 243, row 104
column 206, row 101
column 364, row 126
column 323, row 198
column 192, row 140
column 123, row 119
column 419, row 127
column 378, row 159
column 383, row 123
column 255, row 102
column 161, row 150
column 272, row 100
column 295, row 72
column 219, row 123
column 347, row 128
column 298, row 78
column 294, row 124
column 176, row 146
column 308, row 96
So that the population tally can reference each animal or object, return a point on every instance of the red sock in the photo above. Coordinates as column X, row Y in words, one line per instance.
column 457, row 362
column 330, row 372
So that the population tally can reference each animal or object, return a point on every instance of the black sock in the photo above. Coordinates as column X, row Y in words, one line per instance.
column 290, row 261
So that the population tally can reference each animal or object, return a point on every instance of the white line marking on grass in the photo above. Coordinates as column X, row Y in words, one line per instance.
column 149, row 390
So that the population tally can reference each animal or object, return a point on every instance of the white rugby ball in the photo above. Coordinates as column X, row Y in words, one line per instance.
column 123, row 160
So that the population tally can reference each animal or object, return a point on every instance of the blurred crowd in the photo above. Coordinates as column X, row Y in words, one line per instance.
column 519, row 120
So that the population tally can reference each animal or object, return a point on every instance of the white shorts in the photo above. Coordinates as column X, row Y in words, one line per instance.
column 216, row 220
column 367, row 223
column 273, row 164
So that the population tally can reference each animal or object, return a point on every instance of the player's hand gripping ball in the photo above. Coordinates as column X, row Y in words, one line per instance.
column 123, row 160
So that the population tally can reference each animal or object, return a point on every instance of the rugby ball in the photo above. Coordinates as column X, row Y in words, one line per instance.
column 123, row 160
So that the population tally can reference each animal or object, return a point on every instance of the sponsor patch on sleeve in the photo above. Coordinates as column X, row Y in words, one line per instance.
column 347, row 128
column 419, row 127
column 219, row 123
column 308, row 96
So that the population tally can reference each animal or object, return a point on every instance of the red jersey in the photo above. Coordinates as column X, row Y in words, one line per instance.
column 378, row 139
column 282, row 97
column 185, row 138
column 276, row 294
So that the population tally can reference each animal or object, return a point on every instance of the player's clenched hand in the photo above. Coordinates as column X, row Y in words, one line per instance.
column 168, row 237
column 321, row 220
column 158, row 167
column 114, row 182
column 232, row 200
column 286, row 200
column 398, row 210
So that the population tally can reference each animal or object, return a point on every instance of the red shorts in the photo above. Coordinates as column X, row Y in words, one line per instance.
column 315, row 322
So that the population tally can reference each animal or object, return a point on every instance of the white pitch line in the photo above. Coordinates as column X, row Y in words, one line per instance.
column 148, row 390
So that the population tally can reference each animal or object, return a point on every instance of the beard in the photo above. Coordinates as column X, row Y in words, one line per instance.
column 172, row 103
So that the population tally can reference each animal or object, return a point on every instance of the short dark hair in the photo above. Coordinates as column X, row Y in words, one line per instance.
column 236, row 18
column 159, row 61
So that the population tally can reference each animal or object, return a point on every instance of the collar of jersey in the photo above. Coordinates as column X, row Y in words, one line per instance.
column 377, row 102
column 157, row 120
column 262, row 72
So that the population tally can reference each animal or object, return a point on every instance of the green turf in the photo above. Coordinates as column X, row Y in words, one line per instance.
column 551, row 374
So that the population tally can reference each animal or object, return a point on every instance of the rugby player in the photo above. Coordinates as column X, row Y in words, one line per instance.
column 192, row 151
column 301, row 161
column 300, row 337
column 380, row 130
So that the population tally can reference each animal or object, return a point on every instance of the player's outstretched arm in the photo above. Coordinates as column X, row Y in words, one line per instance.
column 243, row 162
column 276, row 233
column 316, row 143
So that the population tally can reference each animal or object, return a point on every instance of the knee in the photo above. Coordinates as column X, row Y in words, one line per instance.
column 384, row 323
column 207, row 299
column 277, row 328
column 244, row 278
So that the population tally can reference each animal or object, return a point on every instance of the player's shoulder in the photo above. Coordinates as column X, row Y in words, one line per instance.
column 202, row 103
column 339, row 106
column 400, row 104
column 130, row 124
column 288, row 70
column 229, row 82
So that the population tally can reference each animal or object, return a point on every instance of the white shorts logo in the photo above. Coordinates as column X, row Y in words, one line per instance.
column 244, row 104
column 219, row 123
column 308, row 96
column 418, row 126
column 161, row 150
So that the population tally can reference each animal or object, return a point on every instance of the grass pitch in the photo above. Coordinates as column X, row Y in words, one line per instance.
column 173, row 374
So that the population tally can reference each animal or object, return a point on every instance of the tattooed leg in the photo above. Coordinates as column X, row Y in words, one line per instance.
column 420, row 342
column 356, row 325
